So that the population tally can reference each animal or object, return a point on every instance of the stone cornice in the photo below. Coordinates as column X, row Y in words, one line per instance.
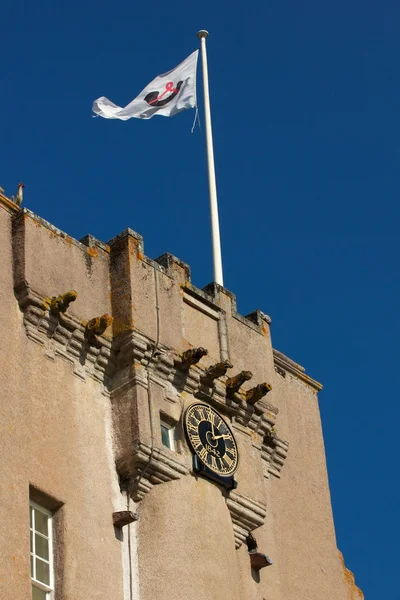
column 246, row 514
column 144, row 380
column 137, row 363
column 8, row 204
column 131, row 362
column 133, row 347
column 65, row 336
column 274, row 452
column 110, row 363
column 154, row 466
column 284, row 364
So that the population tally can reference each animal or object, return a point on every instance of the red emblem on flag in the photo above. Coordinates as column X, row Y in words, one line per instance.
column 161, row 99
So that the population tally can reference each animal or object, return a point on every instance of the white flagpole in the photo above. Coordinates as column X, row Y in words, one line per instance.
column 216, row 242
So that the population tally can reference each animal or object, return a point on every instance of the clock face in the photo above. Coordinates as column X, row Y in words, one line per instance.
column 211, row 439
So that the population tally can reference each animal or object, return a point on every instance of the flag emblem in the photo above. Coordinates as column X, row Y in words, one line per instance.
column 157, row 99
column 167, row 95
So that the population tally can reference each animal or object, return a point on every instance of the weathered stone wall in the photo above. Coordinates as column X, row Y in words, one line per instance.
column 55, row 427
column 80, row 423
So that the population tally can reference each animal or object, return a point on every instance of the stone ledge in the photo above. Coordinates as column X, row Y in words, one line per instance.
column 25, row 212
column 118, row 365
column 152, row 466
column 284, row 364
column 8, row 204
column 274, row 452
column 134, row 347
column 202, row 295
column 64, row 336
column 246, row 515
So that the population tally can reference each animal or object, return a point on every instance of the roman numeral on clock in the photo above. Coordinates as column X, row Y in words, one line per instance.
column 202, row 454
column 195, row 439
column 227, row 461
column 213, row 462
column 192, row 427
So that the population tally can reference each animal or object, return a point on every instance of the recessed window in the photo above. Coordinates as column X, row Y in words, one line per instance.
column 167, row 435
column 41, row 552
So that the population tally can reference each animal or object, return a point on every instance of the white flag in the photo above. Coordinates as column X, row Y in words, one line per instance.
column 167, row 95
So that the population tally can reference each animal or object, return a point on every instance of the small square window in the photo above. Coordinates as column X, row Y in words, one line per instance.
column 167, row 435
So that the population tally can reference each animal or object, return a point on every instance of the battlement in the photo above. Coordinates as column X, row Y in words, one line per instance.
column 105, row 352
column 117, row 278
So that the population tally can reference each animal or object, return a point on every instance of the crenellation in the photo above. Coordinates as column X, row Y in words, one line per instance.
column 103, row 393
column 92, row 242
column 51, row 262
column 125, row 254
column 126, row 233
column 167, row 265
column 175, row 267
column 259, row 318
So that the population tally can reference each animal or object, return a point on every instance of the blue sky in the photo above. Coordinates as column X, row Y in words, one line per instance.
column 305, row 103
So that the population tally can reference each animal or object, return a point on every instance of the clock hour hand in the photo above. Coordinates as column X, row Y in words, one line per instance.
column 217, row 437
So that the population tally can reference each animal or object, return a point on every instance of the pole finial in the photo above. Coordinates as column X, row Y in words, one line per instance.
column 202, row 33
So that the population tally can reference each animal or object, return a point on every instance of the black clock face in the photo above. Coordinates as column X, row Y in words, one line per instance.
column 211, row 439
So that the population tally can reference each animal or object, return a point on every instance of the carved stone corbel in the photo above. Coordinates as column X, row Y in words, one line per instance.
column 274, row 452
column 233, row 384
column 98, row 325
column 63, row 335
column 191, row 357
column 246, row 514
column 60, row 304
column 152, row 467
column 256, row 393
column 218, row 370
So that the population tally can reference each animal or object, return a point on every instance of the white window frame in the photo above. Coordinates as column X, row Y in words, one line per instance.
column 171, row 437
column 46, row 588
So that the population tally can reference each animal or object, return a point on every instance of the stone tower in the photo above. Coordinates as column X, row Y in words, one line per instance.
column 103, row 352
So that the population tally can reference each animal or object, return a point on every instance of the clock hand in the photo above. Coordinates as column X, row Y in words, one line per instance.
column 217, row 437
column 212, row 426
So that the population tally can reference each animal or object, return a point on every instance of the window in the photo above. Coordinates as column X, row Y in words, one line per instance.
column 41, row 552
column 167, row 435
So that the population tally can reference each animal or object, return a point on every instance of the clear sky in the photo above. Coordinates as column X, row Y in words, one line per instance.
column 305, row 103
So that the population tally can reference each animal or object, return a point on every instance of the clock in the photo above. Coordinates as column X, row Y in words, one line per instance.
column 211, row 440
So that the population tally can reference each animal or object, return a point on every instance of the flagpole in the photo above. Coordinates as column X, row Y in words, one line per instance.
column 216, row 242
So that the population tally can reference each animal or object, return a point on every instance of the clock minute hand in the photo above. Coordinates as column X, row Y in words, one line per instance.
column 217, row 437
column 212, row 426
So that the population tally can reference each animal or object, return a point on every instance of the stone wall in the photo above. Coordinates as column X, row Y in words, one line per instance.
column 86, row 378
